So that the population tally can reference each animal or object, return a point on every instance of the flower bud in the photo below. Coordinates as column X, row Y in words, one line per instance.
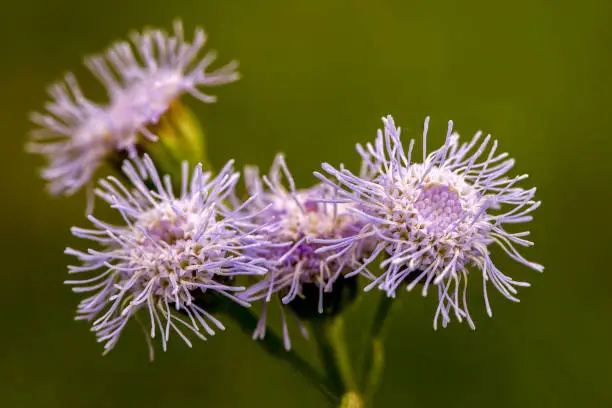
column 179, row 138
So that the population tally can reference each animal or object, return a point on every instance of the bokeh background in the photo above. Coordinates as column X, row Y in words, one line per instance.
column 318, row 75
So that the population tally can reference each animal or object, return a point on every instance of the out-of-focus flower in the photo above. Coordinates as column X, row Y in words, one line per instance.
column 171, row 250
column 295, row 224
column 434, row 220
column 143, row 81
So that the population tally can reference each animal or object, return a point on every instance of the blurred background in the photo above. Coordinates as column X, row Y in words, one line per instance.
column 318, row 76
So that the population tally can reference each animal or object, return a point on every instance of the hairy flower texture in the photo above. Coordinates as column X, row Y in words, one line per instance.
column 298, row 223
column 170, row 250
column 434, row 220
column 142, row 81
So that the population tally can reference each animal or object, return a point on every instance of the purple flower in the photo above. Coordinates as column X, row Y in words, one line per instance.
column 295, row 224
column 170, row 250
column 434, row 220
column 77, row 135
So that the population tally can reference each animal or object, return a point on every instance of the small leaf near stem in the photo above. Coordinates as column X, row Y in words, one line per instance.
column 352, row 400
column 373, row 364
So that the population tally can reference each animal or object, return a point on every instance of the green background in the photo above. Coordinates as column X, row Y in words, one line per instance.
column 318, row 76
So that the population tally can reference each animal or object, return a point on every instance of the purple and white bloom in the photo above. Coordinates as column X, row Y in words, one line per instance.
column 434, row 220
column 171, row 250
column 142, row 81
column 296, row 223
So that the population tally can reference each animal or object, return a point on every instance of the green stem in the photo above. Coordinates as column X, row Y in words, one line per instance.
column 327, row 355
column 375, row 370
column 343, row 357
column 330, row 338
column 374, row 358
column 273, row 345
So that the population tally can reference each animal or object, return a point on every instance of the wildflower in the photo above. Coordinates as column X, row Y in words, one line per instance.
column 171, row 251
column 77, row 135
column 436, row 219
column 297, row 223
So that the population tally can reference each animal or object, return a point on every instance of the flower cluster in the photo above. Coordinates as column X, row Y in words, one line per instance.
column 77, row 135
column 171, row 250
column 434, row 220
column 188, row 243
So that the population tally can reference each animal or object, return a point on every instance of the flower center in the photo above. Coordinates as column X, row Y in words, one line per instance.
column 314, row 220
column 439, row 206
column 167, row 231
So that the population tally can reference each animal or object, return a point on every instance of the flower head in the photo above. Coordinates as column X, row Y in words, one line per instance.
column 298, row 223
column 77, row 135
column 435, row 220
column 171, row 251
